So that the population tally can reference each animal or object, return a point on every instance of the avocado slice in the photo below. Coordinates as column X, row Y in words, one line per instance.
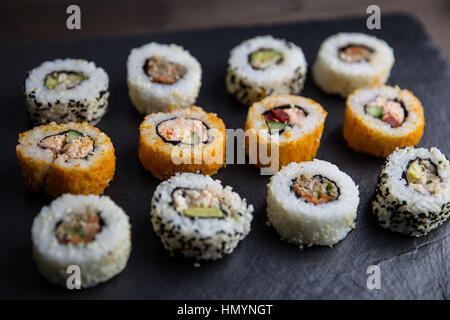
column 263, row 58
column 73, row 135
column 375, row 111
column 273, row 125
column 414, row 172
column 51, row 82
column 200, row 212
column 76, row 77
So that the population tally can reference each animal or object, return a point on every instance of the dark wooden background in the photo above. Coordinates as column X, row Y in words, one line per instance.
column 25, row 20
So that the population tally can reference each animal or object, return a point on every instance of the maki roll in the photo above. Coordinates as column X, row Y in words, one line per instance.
column 182, row 140
column 290, row 125
column 312, row 203
column 162, row 76
column 379, row 120
column 264, row 66
column 90, row 232
column 66, row 90
column 197, row 217
column 349, row 61
column 66, row 158
column 413, row 191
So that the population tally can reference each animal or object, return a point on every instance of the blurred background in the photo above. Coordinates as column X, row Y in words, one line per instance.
column 28, row 20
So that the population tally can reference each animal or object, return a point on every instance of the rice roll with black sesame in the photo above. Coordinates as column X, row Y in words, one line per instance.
column 90, row 232
column 182, row 140
column 264, row 66
column 312, row 203
column 196, row 216
column 66, row 90
column 349, row 61
column 413, row 191
column 161, row 77
column 72, row 158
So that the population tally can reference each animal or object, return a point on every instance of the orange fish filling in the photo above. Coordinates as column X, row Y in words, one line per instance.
column 81, row 228
column 316, row 189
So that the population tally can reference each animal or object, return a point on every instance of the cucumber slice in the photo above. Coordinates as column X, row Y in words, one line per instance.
column 375, row 111
column 195, row 138
column 73, row 135
column 200, row 212
column 273, row 125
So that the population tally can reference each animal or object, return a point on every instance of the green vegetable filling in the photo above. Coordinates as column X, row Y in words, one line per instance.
column 200, row 212
column 195, row 138
column 273, row 125
column 414, row 172
column 265, row 58
column 70, row 79
column 375, row 111
column 72, row 135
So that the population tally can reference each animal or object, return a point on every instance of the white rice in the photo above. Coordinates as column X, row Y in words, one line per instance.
column 303, row 223
column 148, row 96
column 334, row 75
column 249, row 85
column 88, row 101
column 199, row 238
column 402, row 209
column 99, row 260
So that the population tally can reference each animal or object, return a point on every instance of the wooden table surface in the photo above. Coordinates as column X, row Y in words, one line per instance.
column 28, row 20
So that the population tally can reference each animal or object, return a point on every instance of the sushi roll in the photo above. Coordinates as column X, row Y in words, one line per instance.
column 264, row 66
column 66, row 158
column 312, row 203
column 379, row 120
column 161, row 77
column 182, row 140
column 198, row 218
column 413, row 191
column 66, row 90
column 90, row 232
column 349, row 61
column 289, row 125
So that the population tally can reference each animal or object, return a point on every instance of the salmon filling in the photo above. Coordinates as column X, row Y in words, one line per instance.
column 355, row 53
column 188, row 131
column 194, row 203
column 280, row 117
column 81, row 228
column 160, row 70
column 265, row 58
column 389, row 111
column 316, row 189
column 68, row 145
column 64, row 79
column 423, row 177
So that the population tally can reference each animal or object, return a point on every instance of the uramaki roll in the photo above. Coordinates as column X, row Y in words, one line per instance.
column 182, row 140
column 72, row 158
column 297, row 121
column 350, row 61
column 379, row 120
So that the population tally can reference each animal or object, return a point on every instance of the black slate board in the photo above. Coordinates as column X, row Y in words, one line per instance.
column 262, row 267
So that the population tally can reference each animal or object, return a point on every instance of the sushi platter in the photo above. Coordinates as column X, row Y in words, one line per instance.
column 132, row 238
